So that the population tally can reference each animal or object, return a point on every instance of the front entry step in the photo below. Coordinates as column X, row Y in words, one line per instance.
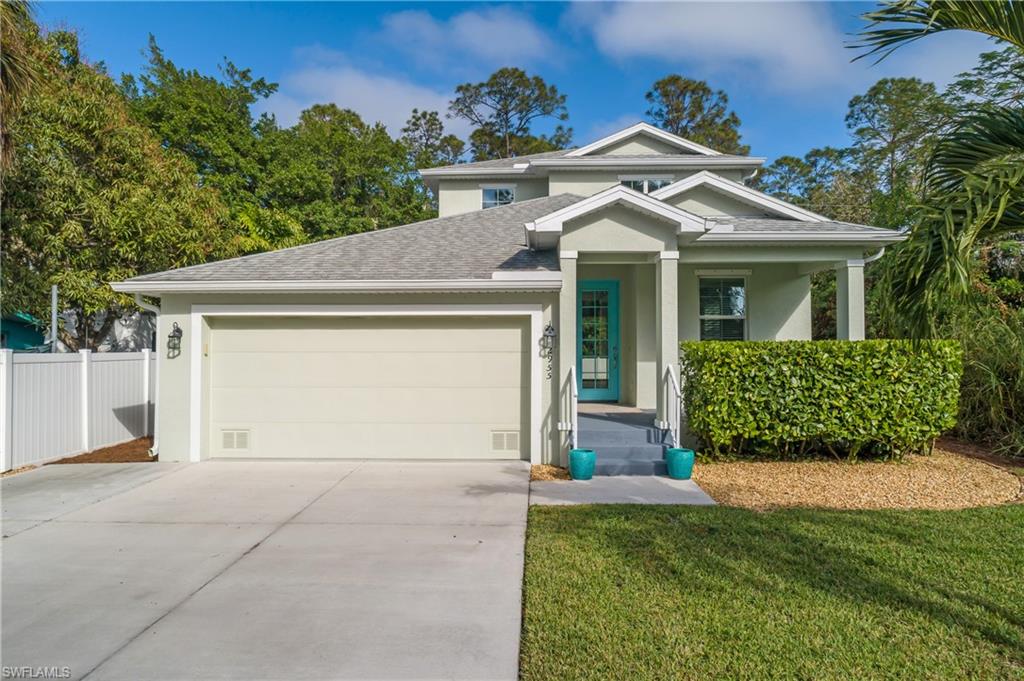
column 625, row 443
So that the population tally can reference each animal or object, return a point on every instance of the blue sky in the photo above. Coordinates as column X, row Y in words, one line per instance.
column 783, row 65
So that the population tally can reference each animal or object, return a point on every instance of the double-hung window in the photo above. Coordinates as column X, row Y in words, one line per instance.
column 498, row 196
column 645, row 185
column 723, row 308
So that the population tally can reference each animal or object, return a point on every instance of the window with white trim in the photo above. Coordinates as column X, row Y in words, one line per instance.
column 723, row 308
column 645, row 185
column 498, row 196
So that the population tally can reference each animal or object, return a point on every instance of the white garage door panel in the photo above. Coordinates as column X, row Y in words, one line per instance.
column 369, row 405
column 363, row 369
column 356, row 440
column 343, row 387
column 322, row 334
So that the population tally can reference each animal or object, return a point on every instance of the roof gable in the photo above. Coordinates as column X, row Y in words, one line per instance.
column 738, row 192
column 552, row 224
column 640, row 139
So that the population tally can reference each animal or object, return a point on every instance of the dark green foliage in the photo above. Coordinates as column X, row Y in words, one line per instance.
column 796, row 398
column 92, row 197
column 428, row 144
column 504, row 107
column 691, row 109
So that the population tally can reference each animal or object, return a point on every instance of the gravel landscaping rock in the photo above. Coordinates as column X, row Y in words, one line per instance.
column 942, row 480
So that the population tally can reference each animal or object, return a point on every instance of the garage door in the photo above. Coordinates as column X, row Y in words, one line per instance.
column 345, row 387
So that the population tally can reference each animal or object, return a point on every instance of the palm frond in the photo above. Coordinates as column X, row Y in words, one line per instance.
column 899, row 22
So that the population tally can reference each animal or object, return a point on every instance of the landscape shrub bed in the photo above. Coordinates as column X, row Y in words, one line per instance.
column 793, row 399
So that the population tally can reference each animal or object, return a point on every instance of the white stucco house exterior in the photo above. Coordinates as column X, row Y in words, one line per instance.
column 545, row 277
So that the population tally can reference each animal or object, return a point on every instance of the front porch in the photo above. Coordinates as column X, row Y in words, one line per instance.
column 623, row 315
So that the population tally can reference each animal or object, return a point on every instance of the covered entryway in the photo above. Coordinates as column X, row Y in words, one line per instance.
column 356, row 387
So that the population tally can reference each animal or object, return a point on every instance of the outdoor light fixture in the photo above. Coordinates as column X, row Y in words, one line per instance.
column 174, row 337
column 548, row 341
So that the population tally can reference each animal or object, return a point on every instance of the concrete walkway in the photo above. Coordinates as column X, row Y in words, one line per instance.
column 624, row 489
column 265, row 570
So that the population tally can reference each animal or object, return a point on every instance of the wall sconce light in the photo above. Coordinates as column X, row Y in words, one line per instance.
column 174, row 337
column 548, row 340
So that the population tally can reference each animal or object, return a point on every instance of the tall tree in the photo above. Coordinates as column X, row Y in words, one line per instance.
column 894, row 125
column 975, row 182
column 208, row 119
column 17, row 68
column 504, row 108
column 334, row 174
column 429, row 146
column 691, row 109
column 93, row 197
column 997, row 80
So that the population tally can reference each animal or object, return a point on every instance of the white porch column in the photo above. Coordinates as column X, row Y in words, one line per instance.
column 667, row 319
column 850, row 300
column 566, row 338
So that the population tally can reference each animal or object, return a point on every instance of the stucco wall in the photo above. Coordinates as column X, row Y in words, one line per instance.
column 174, row 390
column 617, row 229
column 638, row 145
column 704, row 201
column 778, row 302
column 464, row 196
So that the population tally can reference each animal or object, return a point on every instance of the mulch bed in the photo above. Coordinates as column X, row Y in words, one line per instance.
column 136, row 451
column 546, row 472
column 942, row 480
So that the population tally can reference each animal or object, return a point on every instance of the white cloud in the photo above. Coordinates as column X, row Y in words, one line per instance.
column 789, row 45
column 326, row 76
column 494, row 36
column 784, row 46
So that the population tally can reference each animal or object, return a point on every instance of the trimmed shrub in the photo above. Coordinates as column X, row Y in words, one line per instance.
column 797, row 398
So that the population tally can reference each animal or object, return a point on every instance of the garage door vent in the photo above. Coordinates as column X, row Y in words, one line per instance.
column 234, row 439
column 505, row 440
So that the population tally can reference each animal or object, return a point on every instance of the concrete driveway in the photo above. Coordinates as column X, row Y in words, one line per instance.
column 265, row 570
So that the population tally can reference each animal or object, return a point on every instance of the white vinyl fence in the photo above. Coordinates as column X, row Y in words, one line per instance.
column 57, row 405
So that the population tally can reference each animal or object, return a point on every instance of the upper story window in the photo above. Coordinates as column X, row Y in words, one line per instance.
column 498, row 196
column 645, row 185
column 723, row 308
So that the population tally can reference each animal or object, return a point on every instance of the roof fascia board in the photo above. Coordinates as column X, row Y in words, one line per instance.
column 643, row 129
column 737, row 190
column 552, row 282
column 629, row 162
column 491, row 170
column 887, row 237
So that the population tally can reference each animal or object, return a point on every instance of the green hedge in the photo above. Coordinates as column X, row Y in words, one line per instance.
column 797, row 398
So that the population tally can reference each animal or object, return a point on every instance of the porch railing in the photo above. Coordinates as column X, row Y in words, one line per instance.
column 673, row 403
column 574, row 406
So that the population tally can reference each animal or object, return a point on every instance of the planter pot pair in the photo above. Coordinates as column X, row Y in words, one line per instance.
column 679, row 462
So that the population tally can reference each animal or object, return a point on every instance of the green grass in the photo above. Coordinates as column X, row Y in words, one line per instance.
column 649, row 592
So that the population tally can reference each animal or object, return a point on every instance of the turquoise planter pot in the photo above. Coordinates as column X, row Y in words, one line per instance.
column 680, row 463
column 581, row 464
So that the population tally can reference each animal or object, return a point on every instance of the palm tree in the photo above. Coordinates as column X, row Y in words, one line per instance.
column 976, row 177
column 17, row 68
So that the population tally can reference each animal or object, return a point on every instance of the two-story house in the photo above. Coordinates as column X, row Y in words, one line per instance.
column 546, row 279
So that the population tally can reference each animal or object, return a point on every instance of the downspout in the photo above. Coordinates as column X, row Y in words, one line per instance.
column 876, row 256
column 155, row 309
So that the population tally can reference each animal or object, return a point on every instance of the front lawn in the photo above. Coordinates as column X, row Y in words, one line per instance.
column 660, row 592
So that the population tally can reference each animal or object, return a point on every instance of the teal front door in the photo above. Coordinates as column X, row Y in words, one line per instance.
column 597, row 341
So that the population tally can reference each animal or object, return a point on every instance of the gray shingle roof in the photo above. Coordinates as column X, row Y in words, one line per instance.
column 468, row 246
column 797, row 226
